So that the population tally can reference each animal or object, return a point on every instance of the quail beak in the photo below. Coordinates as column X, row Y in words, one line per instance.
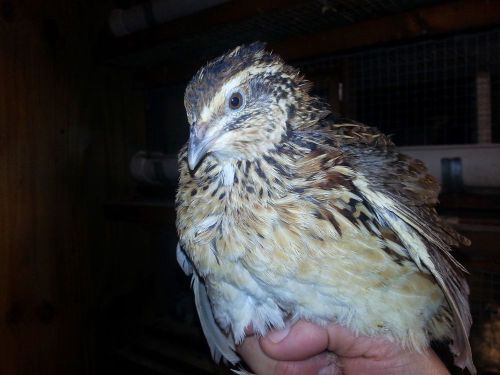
column 197, row 148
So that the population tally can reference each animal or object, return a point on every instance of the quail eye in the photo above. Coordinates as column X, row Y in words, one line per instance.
column 235, row 100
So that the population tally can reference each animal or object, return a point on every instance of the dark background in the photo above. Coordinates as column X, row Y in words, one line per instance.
column 88, row 278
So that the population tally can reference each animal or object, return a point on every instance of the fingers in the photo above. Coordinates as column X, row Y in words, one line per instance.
column 304, row 340
column 345, row 343
column 306, row 348
column 299, row 342
column 261, row 364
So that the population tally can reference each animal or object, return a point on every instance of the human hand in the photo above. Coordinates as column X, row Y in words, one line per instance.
column 307, row 349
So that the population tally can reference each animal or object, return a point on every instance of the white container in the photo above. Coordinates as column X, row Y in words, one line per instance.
column 480, row 162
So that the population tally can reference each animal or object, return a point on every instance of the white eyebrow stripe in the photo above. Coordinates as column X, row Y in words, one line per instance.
column 220, row 97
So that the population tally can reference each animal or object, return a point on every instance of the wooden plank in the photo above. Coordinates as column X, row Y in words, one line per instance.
column 443, row 18
column 434, row 20
column 469, row 201
column 230, row 12
column 57, row 259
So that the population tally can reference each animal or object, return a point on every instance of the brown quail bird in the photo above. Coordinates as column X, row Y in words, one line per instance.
column 287, row 212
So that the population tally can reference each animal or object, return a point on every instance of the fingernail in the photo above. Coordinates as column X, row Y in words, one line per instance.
column 277, row 336
column 330, row 370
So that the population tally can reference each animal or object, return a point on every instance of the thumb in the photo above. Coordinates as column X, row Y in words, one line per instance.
column 295, row 342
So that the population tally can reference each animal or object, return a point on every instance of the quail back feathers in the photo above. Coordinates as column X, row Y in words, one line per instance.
column 287, row 212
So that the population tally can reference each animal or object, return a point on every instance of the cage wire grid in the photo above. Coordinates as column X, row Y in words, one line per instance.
column 485, row 292
column 422, row 93
column 485, row 309
column 304, row 17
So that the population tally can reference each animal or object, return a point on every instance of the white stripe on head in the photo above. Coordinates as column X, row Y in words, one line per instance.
column 220, row 97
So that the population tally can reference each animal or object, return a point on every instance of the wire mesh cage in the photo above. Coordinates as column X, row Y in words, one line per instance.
column 486, row 287
column 485, row 308
column 439, row 91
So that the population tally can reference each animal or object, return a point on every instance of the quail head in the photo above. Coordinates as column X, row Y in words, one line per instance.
column 286, row 211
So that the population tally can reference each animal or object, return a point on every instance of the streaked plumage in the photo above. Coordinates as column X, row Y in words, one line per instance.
column 287, row 212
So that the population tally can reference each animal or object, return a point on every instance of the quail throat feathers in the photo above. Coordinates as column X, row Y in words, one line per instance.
column 286, row 211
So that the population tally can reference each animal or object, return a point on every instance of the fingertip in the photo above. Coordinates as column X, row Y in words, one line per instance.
column 301, row 341
column 260, row 363
column 277, row 335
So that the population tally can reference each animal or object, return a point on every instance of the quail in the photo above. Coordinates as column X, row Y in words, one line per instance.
column 286, row 211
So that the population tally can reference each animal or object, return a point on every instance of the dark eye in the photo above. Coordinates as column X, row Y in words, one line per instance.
column 235, row 100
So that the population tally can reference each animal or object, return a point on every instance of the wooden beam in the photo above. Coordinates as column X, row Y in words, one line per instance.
column 434, row 20
column 469, row 201
column 444, row 18
column 227, row 13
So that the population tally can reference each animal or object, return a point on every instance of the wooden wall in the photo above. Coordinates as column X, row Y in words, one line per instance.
column 67, row 130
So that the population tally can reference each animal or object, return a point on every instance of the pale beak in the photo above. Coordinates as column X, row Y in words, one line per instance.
column 197, row 148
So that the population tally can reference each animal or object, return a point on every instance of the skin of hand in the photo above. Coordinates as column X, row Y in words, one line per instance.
column 307, row 349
